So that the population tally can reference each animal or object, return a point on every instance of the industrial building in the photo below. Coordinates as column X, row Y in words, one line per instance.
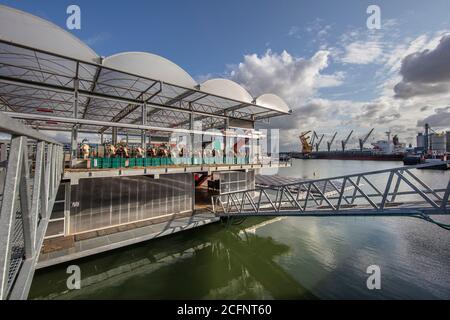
column 439, row 143
column 431, row 141
column 447, row 134
column 194, row 139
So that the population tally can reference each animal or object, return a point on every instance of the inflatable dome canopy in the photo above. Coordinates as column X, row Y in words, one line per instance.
column 150, row 66
column 273, row 102
column 23, row 28
column 231, row 90
column 41, row 54
column 227, row 89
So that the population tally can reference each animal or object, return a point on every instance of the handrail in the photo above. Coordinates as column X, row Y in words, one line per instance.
column 311, row 197
column 13, row 127
column 26, row 205
column 352, row 175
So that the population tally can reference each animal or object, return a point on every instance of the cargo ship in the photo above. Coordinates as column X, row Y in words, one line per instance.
column 349, row 155
column 383, row 150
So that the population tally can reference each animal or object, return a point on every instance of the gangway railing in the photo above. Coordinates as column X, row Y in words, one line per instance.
column 397, row 191
column 30, row 179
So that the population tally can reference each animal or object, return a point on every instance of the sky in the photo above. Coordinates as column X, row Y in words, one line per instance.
column 334, row 72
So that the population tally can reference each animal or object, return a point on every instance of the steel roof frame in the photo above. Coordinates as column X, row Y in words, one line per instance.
column 36, row 78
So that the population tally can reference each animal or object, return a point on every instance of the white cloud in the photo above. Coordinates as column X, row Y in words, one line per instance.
column 298, row 81
column 293, row 79
column 426, row 72
column 362, row 46
column 360, row 52
column 393, row 58
column 439, row 119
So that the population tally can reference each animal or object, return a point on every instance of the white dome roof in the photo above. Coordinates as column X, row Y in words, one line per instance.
column 227, row 89
column 273, row 102
column 150, row 66
column 23, row 28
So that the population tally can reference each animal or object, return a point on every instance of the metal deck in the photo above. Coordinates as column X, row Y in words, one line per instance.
column 91, row 246
column 75, row 174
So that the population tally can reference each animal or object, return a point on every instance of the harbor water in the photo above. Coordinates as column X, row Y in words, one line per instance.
column 284, row 258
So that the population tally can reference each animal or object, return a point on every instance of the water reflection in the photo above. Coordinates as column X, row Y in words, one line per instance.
column 208, row 263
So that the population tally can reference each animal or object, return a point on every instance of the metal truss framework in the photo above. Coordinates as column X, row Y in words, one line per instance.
column 29, row 192
column 42, row 83
column 397, row 191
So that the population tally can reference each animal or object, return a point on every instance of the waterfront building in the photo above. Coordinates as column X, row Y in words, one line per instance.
column 148, row 144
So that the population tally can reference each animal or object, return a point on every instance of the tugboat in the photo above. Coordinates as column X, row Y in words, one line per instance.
column 413, row 159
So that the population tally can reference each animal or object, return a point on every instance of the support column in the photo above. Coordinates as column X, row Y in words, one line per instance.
column 191, row 136
column 114, row 136
column 226, row 142
column 143, row 132
column 67, row 206
column 74, row 136
column 74, row 143
column 247, row 150
column 258, row 149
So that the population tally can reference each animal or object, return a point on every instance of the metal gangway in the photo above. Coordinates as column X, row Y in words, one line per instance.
column 390, row 192
column 29, row 180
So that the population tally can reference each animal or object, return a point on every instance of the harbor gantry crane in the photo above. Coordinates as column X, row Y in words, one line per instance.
column 329, row 143
column 317, row 145
column 306, row 145
column 363, row 141
column 344, row 142
column 313, row 138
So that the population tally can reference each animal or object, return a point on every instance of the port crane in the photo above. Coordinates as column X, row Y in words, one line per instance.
column 313, row 138
column 317, row 145
column 329, row 143
column 364, row 140
column 344, row 142
column 306, row 145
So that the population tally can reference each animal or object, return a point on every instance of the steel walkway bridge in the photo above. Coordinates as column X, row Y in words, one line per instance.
column 390, row 192
column 29, row 180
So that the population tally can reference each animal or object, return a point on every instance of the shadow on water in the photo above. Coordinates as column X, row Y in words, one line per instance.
column 212, row 262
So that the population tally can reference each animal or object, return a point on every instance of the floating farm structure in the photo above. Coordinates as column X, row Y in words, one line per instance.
column 148, row 144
